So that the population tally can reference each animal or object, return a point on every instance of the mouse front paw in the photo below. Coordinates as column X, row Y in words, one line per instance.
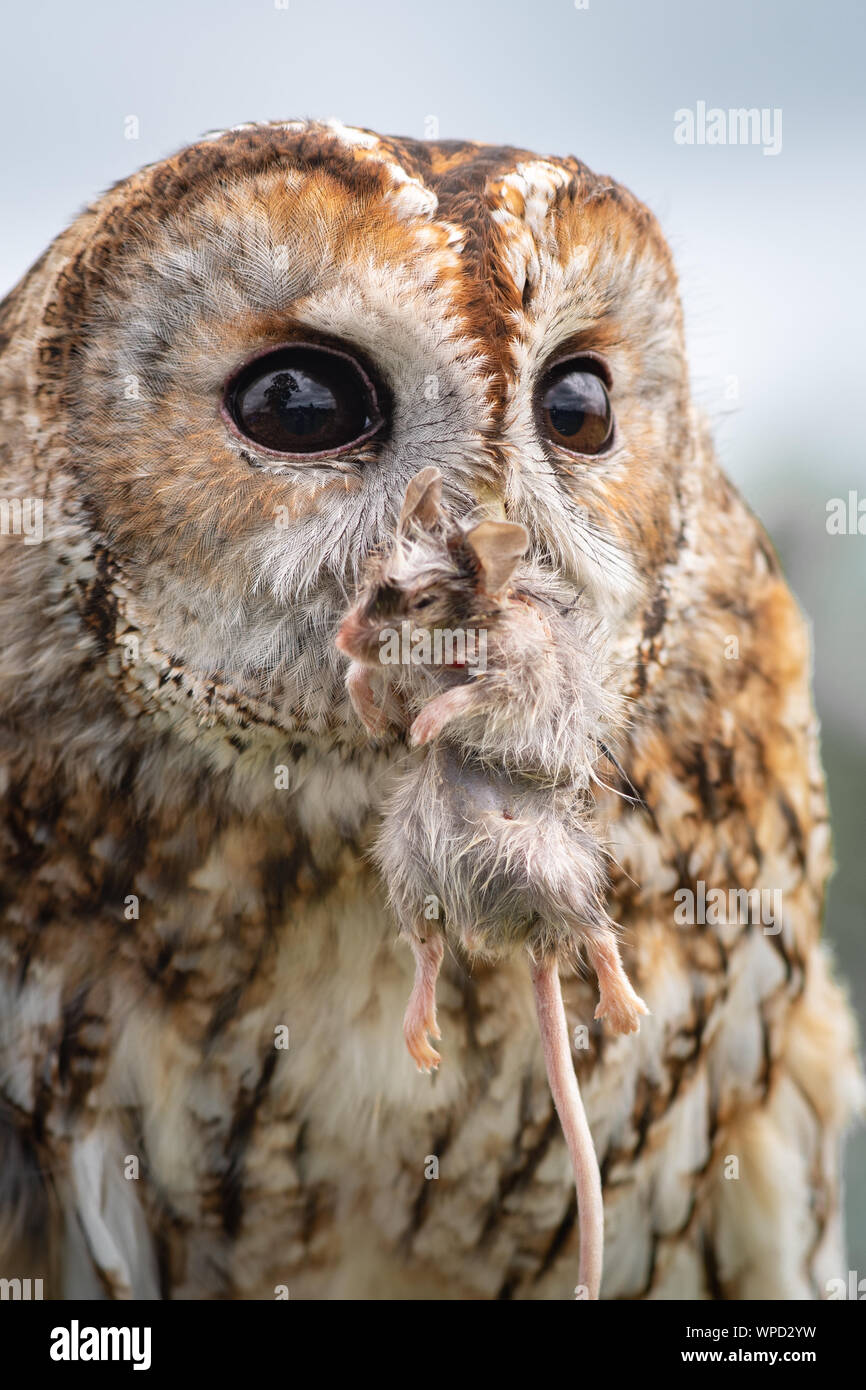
column 377, row 715
column 440, row 711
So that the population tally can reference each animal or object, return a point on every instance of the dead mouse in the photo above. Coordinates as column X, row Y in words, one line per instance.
column 503, row 689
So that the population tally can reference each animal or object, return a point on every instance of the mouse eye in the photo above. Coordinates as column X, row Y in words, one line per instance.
column 303, row 401
column 385, row 600
column 575, row 408
column 423, row 602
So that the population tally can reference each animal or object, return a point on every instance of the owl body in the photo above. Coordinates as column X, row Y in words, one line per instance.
column 203, row 1087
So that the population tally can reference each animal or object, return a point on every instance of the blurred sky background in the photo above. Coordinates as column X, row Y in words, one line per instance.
column 770, row 248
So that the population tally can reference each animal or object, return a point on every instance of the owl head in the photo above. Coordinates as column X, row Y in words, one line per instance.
column 223, row 376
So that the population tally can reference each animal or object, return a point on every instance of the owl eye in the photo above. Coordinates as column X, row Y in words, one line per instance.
column 575, row 407
column 303, row 401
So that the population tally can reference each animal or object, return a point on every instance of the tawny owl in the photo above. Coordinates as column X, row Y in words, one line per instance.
column 216, row 385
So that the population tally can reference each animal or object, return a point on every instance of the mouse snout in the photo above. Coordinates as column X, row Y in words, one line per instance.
column 355, row 638
column 347, row 635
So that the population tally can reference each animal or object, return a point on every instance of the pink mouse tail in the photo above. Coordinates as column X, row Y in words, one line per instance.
column 572, row 1116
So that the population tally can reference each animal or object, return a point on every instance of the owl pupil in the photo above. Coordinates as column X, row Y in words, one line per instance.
column 575, row 409
column 304, row 400
column 568, row 418
column 301, row 404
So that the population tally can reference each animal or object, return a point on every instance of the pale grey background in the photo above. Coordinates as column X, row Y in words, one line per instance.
column 769, row 248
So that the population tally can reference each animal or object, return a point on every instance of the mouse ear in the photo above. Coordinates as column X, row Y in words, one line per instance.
column 422, row 503
column 498, row 546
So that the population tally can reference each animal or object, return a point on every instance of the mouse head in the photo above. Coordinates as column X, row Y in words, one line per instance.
column 437, row 575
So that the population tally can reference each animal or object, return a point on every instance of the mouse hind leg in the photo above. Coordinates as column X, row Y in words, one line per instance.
column 618, row 1003
column 419, row 1020
column 564, row 869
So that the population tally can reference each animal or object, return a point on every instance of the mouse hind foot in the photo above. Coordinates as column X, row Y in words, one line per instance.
column 618, row 1002
column 419, row 1021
